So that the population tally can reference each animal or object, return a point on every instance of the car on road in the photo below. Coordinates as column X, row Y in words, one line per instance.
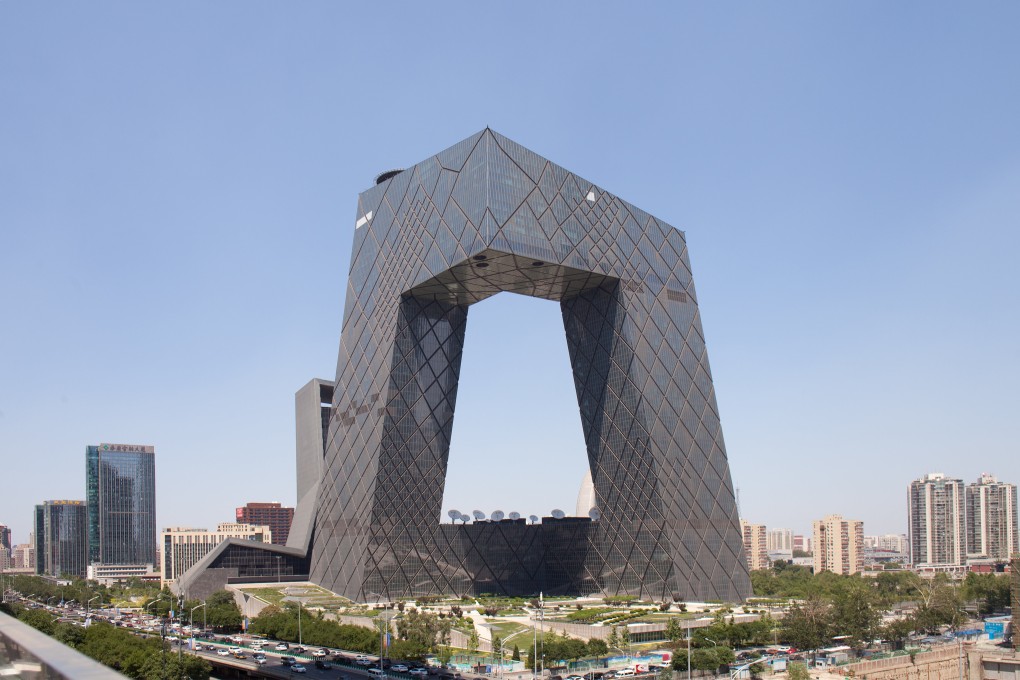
column 298, row 649
column 363, row 661
column 297, row 668
column 376, row 671
column 288, row 660
column 575, row 677
column 398, row 668
column 282, row 647
column 222, row 652
column 319, row 653
column 323, row 664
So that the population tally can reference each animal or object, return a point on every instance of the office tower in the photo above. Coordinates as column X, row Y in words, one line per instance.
column 120, row 488
column 312, row 404
column 839, row 545
column 184, row 547
column 60, row 538
column 5, row 537
column 991, row 519
column 272, row 515
column 936, row 521
column 779, row 540
column 488, row 216
column 755, row 545
column 6, row 559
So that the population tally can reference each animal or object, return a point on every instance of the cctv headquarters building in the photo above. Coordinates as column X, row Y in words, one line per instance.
column 483, row 217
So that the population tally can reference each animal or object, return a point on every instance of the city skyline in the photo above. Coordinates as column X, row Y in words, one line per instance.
column 849, row 186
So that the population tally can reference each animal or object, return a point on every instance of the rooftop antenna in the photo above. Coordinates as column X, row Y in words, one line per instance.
column 533, row 519
column 558, row 514
column 479, row 515
column 594, row 514
column 464, row 518
column 496, row 515
column 514, row 515
column 454, row 515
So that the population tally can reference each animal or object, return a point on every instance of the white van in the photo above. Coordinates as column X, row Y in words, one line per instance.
column 625, row 673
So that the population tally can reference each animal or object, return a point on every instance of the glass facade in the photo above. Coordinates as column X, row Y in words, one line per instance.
column 120, row 484
column 489, row 216
column 62, row 549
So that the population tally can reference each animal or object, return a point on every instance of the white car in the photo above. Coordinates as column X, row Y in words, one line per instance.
column 398, row 668
column 282, row 647
column 297, row 668
column 222, row 652
column 418, row 671
column 320, row 653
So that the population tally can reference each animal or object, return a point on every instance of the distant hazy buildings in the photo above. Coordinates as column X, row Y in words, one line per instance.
column 802, row 543
column 23, row 556
column 755, row 545
column 779, row 540
column 60, row 532
column 893, row 543
column 272, row 515
column 936, row 521
column 184, row 547
column 838, row 545
column 5, row 537
column 120, row 486
column 991, row 519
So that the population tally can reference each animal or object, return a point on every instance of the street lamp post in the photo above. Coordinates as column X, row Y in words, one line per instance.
column 299, row 639
column 88, row 604
column 278, row 557
column 688, row 652
column 192, row 623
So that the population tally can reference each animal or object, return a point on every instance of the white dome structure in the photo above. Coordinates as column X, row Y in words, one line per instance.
column 585, row 496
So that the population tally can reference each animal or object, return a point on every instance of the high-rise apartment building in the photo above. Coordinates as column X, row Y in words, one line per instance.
column 272, row 515
column 60, row 538
column 936, row 521
column 184, row 547
column 839, row 545
column 5, row 537
column 779, row 540
column 991, row 519
column 120, row 485
column 6, row 559
column 755, row 545
column 802, row 543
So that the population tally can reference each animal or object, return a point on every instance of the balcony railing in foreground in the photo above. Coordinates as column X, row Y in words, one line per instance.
column 27, row 653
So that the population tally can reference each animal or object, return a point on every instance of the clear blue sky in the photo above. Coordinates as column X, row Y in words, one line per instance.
column 178, row 185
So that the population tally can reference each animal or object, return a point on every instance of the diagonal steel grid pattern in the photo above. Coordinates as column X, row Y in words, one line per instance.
column 483, row 217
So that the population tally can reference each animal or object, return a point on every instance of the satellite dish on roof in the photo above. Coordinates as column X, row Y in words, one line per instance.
column 558, row 514
column 479, row 515
column 514, row 515
column 496, row 515
column 533, row 519
column 594, row 514
column 454, row 515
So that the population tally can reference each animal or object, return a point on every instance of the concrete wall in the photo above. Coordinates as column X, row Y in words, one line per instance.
column 939, row 664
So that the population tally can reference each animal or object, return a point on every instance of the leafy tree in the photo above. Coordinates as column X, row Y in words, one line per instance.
column 807, row 625
column 222, row 612
column 473, row 641
column 666, row 673
column 990, row 591
column 517, row 653
column 797, row 671
column 597, row 647
column 898, row 631
column 674, row 632
column 614, row 638
column 854, row 613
